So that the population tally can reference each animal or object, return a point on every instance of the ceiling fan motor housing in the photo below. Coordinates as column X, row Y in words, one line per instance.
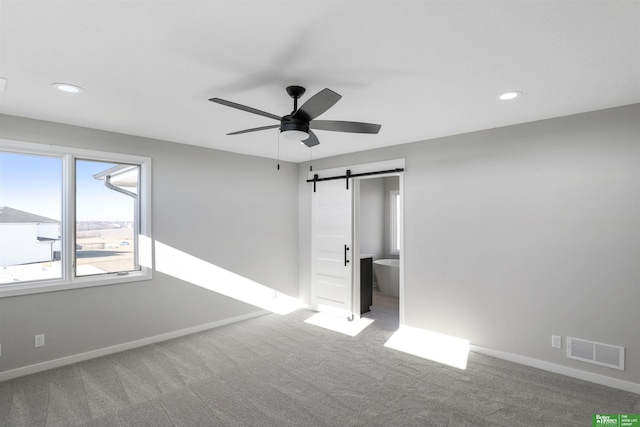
column 291, row 123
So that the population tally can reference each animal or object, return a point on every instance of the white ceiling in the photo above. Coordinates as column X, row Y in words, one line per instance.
column 421, row 69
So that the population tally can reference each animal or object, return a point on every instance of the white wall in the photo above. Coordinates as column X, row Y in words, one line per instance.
column 518, row 233
column 372, row 217
column 50, row 230
column 375, row 215
column 390, row 183
column 20, row 244
column 237, row 212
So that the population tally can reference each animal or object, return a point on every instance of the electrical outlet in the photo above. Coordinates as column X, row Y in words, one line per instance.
column 556, row 341
column 39, row 340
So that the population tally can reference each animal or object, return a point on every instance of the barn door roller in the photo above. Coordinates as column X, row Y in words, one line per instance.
column 347, row 175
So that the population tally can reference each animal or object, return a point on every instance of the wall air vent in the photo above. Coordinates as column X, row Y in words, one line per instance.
column 608, row 355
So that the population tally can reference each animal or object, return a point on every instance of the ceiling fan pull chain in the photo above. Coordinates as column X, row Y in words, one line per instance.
column 310, row 158
column 278, row 150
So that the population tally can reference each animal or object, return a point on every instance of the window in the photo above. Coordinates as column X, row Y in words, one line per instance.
column 106, row 217
column 30, row 213
column 394, row 226
column 71, row 218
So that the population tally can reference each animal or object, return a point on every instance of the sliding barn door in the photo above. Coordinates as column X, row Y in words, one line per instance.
column 331, row 251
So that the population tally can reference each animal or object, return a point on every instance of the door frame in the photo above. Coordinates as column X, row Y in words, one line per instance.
column 355, row 200
column 356, row 240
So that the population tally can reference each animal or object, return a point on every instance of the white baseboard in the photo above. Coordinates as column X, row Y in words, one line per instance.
column 68, row 360
column 559, row 369
column 527, row 361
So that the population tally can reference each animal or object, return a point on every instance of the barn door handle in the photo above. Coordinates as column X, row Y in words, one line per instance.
column 346, row 261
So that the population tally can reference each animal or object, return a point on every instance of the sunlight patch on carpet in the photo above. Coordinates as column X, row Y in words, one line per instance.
column 445, row 349
column 339, row 324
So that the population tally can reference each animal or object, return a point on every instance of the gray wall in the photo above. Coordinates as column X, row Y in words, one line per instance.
column 518, row 233
column 511, row 235
column 231, row 210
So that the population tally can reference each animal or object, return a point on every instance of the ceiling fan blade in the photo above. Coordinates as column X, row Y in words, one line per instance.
column 312, row 140
column 245, row 108
column 316, row 105
column 340, row 126
column 254, row 129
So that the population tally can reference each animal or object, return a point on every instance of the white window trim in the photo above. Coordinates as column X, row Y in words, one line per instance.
column 68, row 280
column 394, row 217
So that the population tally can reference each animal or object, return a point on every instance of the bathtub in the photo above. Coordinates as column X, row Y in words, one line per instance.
column 387, row 272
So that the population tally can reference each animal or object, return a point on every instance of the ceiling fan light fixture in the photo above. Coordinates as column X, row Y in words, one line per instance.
column 294, row 135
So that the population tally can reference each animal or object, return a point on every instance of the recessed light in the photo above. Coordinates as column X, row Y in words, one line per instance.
column 69, row 88
column 510, row 95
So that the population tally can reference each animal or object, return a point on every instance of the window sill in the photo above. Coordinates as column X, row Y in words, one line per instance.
column 19, row 289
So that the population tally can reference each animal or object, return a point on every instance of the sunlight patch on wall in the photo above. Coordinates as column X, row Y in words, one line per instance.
column 144, row 251
column 339, row 324
column 445, row 349
column 201, row 273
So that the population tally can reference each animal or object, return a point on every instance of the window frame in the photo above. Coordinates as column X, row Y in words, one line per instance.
column 69, row 280
column 394, row 222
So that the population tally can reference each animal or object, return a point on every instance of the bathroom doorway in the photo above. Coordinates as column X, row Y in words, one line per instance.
column 378, row 232
column 336, row 273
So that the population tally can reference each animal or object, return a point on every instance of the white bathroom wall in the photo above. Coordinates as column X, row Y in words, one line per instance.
column 372, row 217
column 390, row 183
column 375, row 216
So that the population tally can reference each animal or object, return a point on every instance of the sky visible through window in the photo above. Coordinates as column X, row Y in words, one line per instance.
column 33, row 184
column 95, row 202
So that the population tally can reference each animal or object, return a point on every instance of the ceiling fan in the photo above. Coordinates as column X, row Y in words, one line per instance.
column 297, row 125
